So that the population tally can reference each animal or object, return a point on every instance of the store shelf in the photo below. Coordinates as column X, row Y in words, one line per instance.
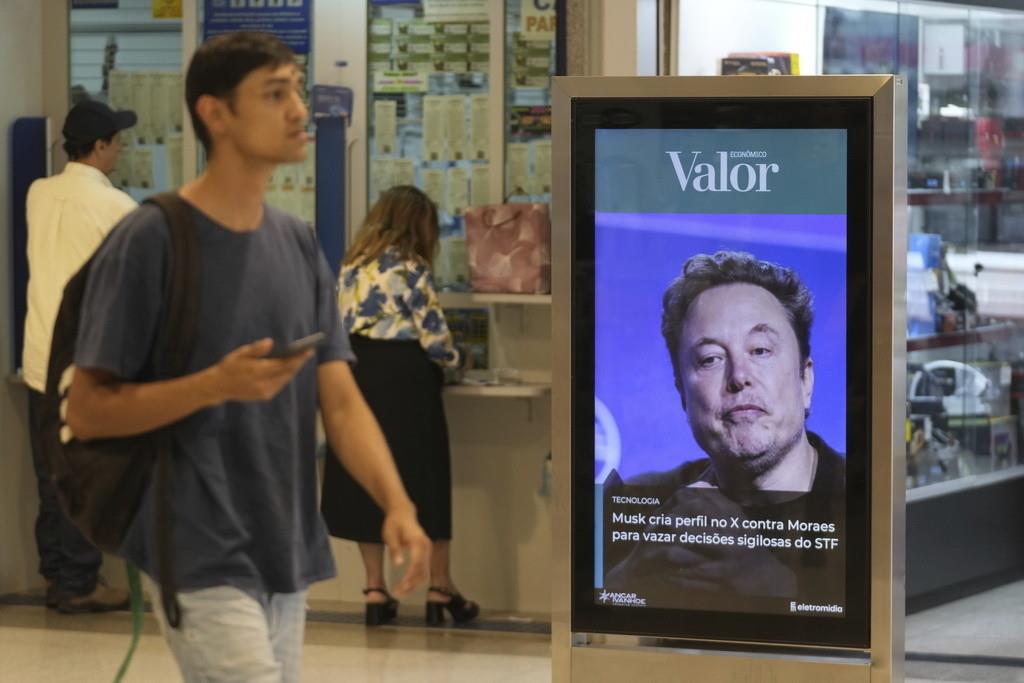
column 921, row 197
column 470, row 299
column 950, row 339
column 498, row 390
column 973, row 481
column 527, row 299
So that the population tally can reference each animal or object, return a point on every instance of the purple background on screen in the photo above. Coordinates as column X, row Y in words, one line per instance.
column 637, row 255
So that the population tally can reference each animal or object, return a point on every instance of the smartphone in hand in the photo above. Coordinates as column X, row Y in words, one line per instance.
column 298, row 346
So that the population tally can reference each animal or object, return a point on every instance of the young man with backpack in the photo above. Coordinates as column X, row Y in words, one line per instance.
column 68, row 216
column 248, row 538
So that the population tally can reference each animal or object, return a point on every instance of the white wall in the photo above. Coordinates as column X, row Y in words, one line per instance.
column 619, row 34
column 20, row 40
column 709, row 31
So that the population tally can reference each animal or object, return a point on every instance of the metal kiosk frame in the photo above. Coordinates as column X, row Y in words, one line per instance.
column 596, row 657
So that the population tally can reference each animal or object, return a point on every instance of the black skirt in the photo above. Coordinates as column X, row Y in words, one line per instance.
column 403, row 389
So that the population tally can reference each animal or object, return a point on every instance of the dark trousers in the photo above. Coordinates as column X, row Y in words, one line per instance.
column 66, row 558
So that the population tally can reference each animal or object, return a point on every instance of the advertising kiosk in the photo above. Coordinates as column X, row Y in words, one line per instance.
column 729, row 258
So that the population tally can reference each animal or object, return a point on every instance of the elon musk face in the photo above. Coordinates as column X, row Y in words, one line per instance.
column 743, row 384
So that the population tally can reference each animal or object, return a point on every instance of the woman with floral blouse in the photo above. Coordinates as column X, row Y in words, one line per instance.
column 398, row 332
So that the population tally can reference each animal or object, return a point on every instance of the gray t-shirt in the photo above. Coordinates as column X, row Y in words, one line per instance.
column 245, row 473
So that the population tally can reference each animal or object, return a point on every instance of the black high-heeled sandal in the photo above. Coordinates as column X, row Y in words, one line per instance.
column 461, row 609
column 378, row 613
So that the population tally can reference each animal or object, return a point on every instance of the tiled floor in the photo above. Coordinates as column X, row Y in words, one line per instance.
column 989, row 625
column 40, row 646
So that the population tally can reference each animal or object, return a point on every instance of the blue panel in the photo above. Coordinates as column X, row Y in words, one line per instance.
column 27, row 162
column 330, row 188
column 332, row 100
column 290, row 22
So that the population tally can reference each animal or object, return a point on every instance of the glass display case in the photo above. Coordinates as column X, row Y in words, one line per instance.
column 965, row 75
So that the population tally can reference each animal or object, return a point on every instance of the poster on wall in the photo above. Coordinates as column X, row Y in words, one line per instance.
column 167, row 9
column 537, row 21
column 438, row 11
column 728, row 411
column 289, row 20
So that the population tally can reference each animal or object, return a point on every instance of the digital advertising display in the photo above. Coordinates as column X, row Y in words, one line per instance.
column 722, row 255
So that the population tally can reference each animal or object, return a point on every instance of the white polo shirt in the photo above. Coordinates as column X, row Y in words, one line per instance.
column 68, row 216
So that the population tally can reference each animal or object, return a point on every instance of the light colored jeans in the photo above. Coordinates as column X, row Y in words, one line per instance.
column 229, row 636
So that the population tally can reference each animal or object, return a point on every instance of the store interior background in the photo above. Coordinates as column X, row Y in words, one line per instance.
column 965, row 501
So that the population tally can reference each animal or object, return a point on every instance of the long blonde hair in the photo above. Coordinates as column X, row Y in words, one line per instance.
column 404, row 218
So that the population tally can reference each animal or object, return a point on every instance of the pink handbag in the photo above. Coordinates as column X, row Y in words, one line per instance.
column 509, row 248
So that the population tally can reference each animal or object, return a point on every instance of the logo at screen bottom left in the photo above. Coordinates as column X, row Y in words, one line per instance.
column 605, row 597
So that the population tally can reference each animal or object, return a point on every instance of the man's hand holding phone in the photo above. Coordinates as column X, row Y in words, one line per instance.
column 258, row 371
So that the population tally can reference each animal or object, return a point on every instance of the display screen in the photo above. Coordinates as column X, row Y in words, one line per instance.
column 721, row 460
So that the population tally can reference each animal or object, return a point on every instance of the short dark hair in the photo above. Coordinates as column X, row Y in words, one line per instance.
column 222, row 62
column 703, row 272
column 80, row 150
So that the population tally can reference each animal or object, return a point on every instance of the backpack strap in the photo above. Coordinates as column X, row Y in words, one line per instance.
column 177, row 334
column 174, row 344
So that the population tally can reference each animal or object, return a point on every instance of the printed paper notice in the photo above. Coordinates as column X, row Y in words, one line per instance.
column 433, row 185
column 518, row 168
column 480, row 185
column 161, row 98
column 457, row 195
column 434, row 111
column 143, row 168
column 176, row 98
column 456, row 127
column 404, row 172
column 121, row 174
column 385, row 113
column 142, row 96
column 175, row 162
column 382, row 173
column 289, row 187
column 120, row 85
column 454, row 10
column 306, row 208
column 542, row 166
column 479, row 122
column 399, row 81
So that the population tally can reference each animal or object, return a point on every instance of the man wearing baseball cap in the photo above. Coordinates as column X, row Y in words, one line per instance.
column 68, row 215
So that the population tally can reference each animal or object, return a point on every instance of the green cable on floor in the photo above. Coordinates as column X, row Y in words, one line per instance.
column 135, row 587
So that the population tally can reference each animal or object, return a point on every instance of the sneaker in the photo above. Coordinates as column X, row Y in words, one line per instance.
column 102, row 599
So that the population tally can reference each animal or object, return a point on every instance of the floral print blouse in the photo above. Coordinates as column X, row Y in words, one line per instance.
column 393, row 298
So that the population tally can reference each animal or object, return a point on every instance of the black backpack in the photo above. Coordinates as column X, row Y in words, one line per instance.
column 100, row 483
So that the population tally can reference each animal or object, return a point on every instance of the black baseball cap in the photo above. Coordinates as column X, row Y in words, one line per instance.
column 91, row 120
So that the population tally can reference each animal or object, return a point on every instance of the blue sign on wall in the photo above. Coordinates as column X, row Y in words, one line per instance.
column 289, row 20
column 94, row 4
column 332, row 100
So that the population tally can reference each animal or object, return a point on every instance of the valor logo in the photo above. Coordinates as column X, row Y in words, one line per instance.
column 704, row 176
